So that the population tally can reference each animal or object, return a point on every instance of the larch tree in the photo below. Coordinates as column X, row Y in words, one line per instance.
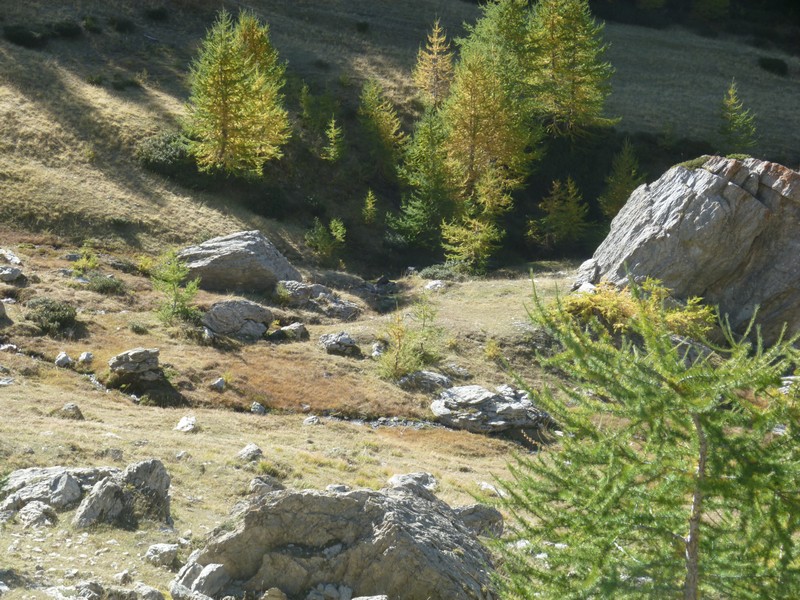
column 623, row 179
column 675, row 472
column 434, row 69
column 738, row 126
column 382, row 125
column 568, row 78
column 235, row 117
column 565, row 216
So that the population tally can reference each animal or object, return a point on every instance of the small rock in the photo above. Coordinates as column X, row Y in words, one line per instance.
column 138, row 360
column 250, row 453
column 312, row 420
column 70, row 411
column 491, row 490
column 337, row 308
column 145, row 592
column 258, row 409
column 212, row 580
column 437, row 285
column 218, row 385
column 37, row 514
column 10, row 274
column 187, row 424
column 162, row 555
column 273, row 594
column 86, row 358
column 4, row 589
column 6, row 381
column 421, row 479
column 123, row 577
column 8, row 257
column 265, row 484
column 481, row 519
column 340, row 343
column 295, row 332
column 9, row 348
column 425, row 381
column 338, row 488
column 63, row 360
column 181, row 455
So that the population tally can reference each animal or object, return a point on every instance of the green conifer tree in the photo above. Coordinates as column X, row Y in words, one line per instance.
column 565, row 216
column 623, row 179
column 382, row 126
column 369, row 212
column 675, row 473
column 236, row 119
column 334, row 149
column 434, row 69
column 425, row 172
column 738, row 126
column 568, row 77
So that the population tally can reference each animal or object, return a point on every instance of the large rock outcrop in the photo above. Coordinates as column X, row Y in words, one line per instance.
column 245, row 261
column 728, row 232
column 401, row 542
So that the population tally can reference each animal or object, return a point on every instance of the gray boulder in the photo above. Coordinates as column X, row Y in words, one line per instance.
column 141, row 491
column 9, row 274
column 162, row 555
column 250, row 453
column 70, row 411
column 296, row 332
column 63, row 360
column 335, row 307
column 425, row 381
column 139, row 361
column 241, row 319
column 728, row 232
column 392, row 542
column 59, row 487
column 145, row 592
column 412, row 480
column 481, row 519
column 298, row 294
column 245, row 261
column 37, row 514
column 476, row 409
column 340, row 343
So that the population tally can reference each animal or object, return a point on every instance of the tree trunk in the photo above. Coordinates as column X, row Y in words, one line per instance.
column 692, row 582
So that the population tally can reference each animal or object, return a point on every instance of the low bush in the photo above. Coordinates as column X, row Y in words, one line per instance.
column 159, row 13
column 167, row 154
column 67, row 29
column 122, row 24
column 51, row 316
column 412, row 343
column 777, row 66
column 106, row 284
column 90, row 24
column 449, row 271
column 25, row 36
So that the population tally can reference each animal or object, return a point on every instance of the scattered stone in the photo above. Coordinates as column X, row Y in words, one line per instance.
column 58, row 487
column 250, row 453
column 337, row 488
column 274, row 594
column 412, row 480
column 37, row 514
column 10, row 274
column 244, row 261
column 491, row 489
column 138, row 360
column 330, row 591
column 9, row 348
column 70, row 411
column 456, row 372
column 8, row 257
column 181, row 455
column 218, row 385
column 123, row 577
column 727, row 231
column 265, row 484
column 296, row 332
column 146, row 592
column 142, row 490
column 341, row 344
column 258, row 409
column 86, row 358
column 481, row 519
column 437, row 285
column 240, row 319
column 63, row 360
column 298, row 294
column 187, row 424
column 4, row 589
column 162, row 555
column 335, row 307
column 379, row 348
column 6, row 381
column 476, row 409
column 391, row 541
column 425, row 381
column 312, row 420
